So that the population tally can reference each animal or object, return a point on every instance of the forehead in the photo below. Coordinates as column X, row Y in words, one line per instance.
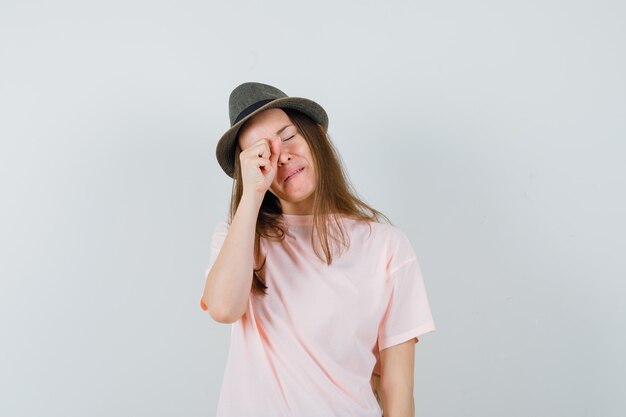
column 262, row 125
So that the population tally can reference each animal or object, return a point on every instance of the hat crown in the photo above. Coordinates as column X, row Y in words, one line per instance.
column 249, row 95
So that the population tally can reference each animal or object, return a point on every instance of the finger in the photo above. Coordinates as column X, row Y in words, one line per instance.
column 262, row 148
column 263, row 163
column 276, row 145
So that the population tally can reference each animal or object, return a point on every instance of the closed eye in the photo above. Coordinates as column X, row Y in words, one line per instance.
column 289, row 138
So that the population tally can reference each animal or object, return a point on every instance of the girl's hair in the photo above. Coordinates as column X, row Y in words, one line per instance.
column 333, row 195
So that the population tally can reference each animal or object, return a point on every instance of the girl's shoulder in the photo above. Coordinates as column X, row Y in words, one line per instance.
column 382, row 229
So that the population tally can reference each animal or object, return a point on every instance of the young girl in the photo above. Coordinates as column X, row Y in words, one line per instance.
column 326, row 302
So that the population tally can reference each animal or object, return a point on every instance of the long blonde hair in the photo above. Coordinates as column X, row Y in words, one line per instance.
column 333, row 195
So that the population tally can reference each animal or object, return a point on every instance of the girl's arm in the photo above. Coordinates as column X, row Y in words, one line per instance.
column 229, row 281
column 396, row 379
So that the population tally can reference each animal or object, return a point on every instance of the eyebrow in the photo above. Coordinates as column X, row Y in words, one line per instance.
column 278, row 132
column 282, row 128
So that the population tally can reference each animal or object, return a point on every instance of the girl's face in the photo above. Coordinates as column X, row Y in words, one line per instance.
column 295, row 193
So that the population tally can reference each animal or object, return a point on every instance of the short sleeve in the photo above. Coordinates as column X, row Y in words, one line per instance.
column 217, row 240
column 407, row 313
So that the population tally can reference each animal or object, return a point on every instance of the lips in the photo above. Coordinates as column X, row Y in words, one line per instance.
column 291, row 174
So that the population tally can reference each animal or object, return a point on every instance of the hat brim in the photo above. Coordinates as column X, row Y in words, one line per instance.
column 225, row 150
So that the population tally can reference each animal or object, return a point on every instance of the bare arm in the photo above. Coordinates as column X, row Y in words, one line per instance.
column 396, row 380
column 229, row 281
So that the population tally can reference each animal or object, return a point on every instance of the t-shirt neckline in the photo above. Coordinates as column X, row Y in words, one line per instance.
column 300, row 219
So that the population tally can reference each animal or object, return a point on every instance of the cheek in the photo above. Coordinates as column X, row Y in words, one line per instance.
column 311, row 177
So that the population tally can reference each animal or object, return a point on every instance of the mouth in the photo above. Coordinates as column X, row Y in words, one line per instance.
column 293, row 174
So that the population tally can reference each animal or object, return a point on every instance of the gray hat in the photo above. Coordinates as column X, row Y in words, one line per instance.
column 251, row 98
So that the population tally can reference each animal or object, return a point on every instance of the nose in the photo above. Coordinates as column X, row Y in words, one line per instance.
column 283, row 157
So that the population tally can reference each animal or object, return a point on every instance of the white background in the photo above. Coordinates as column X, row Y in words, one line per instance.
column 491, row 132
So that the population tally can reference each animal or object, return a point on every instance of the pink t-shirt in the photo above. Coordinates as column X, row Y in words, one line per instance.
column 310, row 346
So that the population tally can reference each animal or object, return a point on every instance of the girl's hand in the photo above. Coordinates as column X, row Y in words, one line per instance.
column 259, row 166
